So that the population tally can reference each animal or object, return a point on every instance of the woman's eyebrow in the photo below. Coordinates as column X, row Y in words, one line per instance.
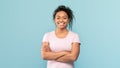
column 62, row 16
column 57, row 16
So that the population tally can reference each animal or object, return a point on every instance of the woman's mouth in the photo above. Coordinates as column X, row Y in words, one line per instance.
column 61, row 23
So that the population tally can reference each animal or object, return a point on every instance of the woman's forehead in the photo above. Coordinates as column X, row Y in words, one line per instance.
column 61, row 13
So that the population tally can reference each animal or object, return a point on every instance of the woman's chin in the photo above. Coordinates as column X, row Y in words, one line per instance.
column 61, row 27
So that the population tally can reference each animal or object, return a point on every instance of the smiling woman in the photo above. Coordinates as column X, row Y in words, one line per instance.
column 67, row 14
column 61, row 46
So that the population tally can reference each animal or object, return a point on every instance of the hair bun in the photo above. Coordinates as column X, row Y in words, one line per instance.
column 61, row 7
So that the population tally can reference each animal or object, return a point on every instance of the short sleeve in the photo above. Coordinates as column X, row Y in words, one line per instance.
column 45, row 38
column 76, row 38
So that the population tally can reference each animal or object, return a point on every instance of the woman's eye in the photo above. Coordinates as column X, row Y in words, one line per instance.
column 58, row 18
column 65, row 18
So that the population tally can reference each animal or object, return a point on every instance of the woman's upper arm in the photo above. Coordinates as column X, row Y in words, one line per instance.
column 45, row 47
column 45, row 42
column 75, row 50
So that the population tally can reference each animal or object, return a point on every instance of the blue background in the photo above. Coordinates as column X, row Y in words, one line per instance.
column 24, row 22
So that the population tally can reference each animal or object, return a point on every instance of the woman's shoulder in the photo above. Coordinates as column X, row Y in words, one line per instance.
column 73, row 33
column 49, row 33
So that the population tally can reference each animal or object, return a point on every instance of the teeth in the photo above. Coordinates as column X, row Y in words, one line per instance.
column 61, row 23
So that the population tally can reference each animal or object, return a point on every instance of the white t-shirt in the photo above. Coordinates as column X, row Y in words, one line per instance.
column 60, row 44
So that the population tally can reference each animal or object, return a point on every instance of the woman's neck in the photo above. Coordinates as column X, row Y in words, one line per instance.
column 61, row 33
column 61, row 30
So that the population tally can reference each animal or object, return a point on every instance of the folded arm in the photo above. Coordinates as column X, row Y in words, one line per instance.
column 71, row 56
column 64, row 56
column 47, row 54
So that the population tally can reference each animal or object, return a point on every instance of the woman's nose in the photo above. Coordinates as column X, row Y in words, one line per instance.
column 61, row 20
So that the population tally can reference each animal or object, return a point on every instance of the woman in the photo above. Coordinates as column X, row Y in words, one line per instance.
column 61, row 47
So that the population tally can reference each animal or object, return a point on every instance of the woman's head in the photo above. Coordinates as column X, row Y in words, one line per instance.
column 63, row 16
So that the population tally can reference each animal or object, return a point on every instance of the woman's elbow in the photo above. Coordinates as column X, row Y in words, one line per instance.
column 74, row 59
column 43, row 56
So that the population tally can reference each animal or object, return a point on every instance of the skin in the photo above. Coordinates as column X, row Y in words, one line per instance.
column 61, row 21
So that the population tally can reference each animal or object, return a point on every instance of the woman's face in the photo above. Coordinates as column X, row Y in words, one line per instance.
column 61, row 19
